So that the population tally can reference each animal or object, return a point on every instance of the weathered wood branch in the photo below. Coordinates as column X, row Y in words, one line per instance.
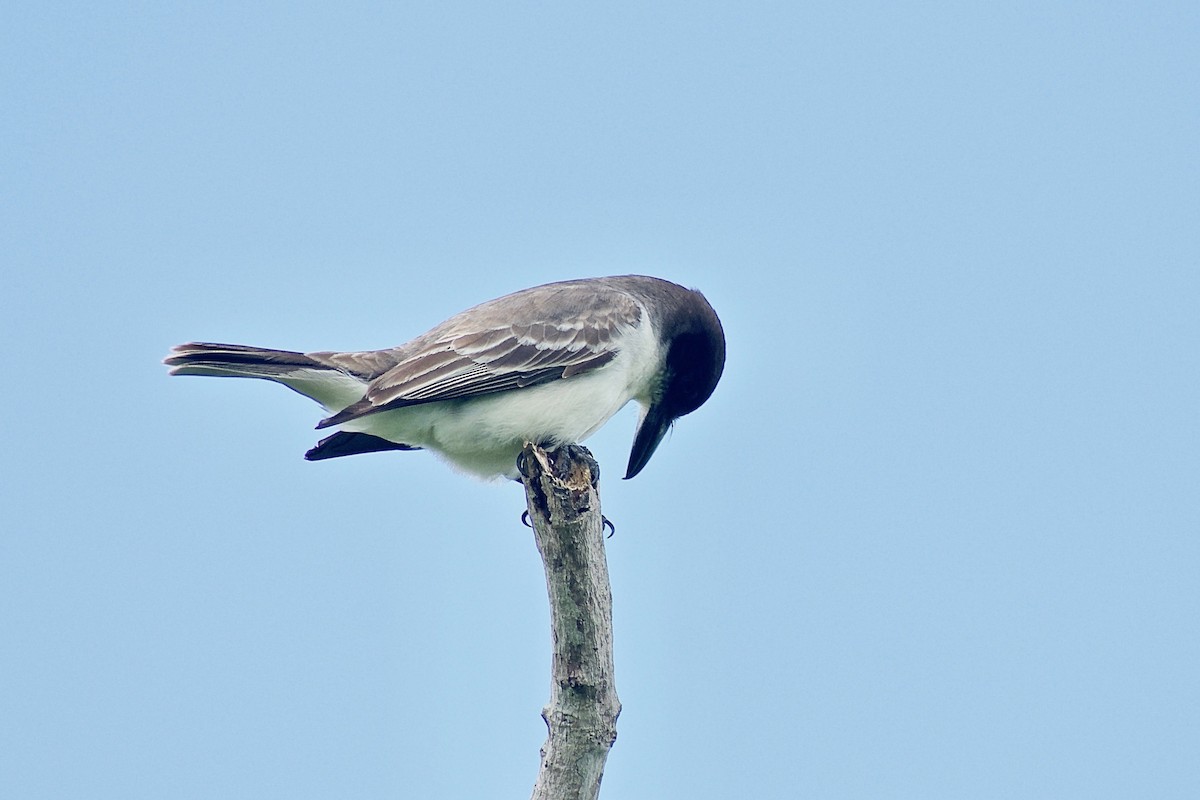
column 581, row 717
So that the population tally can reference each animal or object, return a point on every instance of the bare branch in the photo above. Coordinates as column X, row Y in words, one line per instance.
column 564, row 507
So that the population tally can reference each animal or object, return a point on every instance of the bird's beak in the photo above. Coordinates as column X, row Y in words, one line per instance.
column 653, row 426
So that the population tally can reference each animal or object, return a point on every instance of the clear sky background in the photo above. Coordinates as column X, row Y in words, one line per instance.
column 934, row 536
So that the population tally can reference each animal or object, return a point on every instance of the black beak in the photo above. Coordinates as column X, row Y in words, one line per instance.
column 650, row 432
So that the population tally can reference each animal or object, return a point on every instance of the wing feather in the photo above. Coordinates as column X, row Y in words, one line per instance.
column 524, row 339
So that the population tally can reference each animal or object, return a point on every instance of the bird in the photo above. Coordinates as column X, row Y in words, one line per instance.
column 548, row 365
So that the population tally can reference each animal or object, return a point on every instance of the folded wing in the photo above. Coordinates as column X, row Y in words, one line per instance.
column 525, row 339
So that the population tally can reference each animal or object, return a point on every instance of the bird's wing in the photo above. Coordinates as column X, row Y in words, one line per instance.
column 532, row 337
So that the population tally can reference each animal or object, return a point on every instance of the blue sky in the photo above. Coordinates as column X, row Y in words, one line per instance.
column 935, row 535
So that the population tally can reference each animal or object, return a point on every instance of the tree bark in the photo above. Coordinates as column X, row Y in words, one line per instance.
column 581, row 717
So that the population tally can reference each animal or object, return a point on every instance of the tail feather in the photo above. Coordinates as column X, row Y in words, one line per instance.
column 206, row 358
column 348, row 443
column 330, row 386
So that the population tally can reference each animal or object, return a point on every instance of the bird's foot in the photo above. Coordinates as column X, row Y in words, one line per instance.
column 560, row 458
column 605, row 523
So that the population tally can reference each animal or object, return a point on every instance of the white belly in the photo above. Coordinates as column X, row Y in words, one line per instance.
column 483, row 435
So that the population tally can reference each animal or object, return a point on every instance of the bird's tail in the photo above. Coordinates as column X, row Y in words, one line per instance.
column 328, row 385
column 237, row 361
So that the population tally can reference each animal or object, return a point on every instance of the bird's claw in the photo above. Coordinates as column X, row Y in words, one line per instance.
column 605, row 523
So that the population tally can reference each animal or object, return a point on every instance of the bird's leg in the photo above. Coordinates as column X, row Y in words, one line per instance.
column 521, row 462
column 561, row 466
column 578, row 451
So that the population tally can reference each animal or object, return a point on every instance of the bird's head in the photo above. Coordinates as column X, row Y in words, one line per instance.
column 694, row 358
